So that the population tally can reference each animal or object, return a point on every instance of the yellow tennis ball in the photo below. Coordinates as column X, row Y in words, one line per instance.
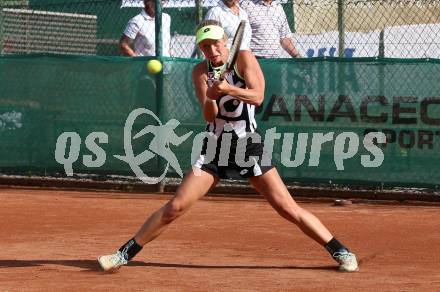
column 154, row 66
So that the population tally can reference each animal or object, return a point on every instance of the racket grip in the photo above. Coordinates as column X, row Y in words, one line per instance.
column 222, row 76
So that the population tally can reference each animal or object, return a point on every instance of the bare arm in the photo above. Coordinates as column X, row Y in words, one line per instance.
column 286, row 41
column 250, row 70
column 208, row 105
column 125, row 44
column 288, row 45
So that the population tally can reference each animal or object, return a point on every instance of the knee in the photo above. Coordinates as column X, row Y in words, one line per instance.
column 172, row 210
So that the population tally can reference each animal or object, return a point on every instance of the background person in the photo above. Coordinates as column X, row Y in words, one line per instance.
column 270, row 29
column 139, row 37
column 229, row 14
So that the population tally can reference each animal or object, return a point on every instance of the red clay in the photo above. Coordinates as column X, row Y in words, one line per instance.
column 49, row 241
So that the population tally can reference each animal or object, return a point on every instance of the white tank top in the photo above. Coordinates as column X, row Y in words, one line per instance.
column 232, row 113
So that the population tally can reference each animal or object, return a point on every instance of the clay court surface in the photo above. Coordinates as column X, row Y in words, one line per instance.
column 49, row 241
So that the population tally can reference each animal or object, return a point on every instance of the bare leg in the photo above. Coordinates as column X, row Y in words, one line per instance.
column 274, row 190
column 192, row 188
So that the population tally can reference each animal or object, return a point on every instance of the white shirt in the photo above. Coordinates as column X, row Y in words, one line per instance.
column 269, row 25
column 141, row 29
column 230, row 22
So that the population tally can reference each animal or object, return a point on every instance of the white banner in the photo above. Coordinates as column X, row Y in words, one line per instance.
column 413, row 41
column 357, row 44
column 175, row 3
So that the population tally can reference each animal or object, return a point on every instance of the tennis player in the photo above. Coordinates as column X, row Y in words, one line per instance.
column 228, row 105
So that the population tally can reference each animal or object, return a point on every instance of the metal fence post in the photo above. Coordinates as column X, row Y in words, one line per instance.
column 158, row 26
column 341, row 27
column 199, row 18
column 381, row 65
column 159, row 78
column 341, row 46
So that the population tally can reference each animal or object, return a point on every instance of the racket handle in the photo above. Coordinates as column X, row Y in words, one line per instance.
column 222, row 75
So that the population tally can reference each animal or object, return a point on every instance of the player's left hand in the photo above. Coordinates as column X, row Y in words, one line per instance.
column 218, row 89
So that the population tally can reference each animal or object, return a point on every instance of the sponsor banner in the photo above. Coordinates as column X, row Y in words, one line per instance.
column 361, row 120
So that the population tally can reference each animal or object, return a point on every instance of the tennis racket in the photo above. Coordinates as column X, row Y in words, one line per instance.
column 235, row 48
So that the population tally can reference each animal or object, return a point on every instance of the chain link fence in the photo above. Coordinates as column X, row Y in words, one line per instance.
column 318, row 93
column 349, row 28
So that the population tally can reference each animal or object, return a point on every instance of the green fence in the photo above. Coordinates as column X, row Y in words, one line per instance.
column 87, row 100
column 367, row 66
column 42, row 97
column 344, row 100
column 350, row 28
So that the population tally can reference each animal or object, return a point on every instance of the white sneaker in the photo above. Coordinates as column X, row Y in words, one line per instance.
column 112, row 262
column 347, row 261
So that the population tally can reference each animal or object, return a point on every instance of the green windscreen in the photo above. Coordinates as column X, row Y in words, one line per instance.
column 58, row 110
